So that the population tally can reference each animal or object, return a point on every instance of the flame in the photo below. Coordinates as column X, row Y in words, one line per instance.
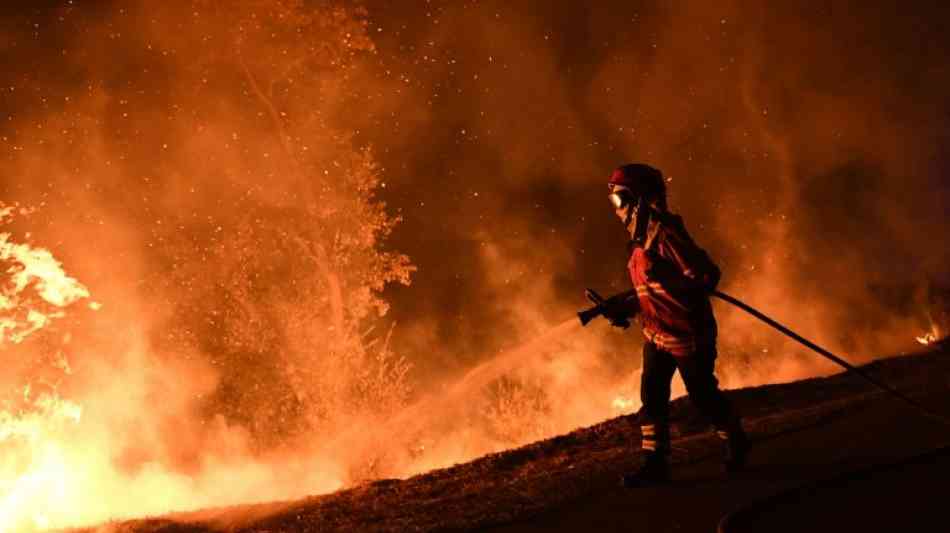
column 22, row 311
column 35, row 466
column 59, row 457
column 933, row 336
column 927, row 338
column 33, row 436
column 624, row 404
column 39, row 267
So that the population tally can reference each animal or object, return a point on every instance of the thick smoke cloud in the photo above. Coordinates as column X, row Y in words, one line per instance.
column 804, row 145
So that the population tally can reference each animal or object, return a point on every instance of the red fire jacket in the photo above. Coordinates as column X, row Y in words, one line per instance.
column 672, row 277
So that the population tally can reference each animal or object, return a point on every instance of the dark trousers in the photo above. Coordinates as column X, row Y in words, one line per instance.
column 701, row 384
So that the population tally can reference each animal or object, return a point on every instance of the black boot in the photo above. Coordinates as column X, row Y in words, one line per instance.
column 735, row 447
column 654, row 471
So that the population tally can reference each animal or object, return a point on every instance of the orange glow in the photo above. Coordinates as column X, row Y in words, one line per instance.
column 625, row 405
column 197, row 278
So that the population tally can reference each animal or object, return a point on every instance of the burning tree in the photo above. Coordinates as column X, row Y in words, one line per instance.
column 278, row 281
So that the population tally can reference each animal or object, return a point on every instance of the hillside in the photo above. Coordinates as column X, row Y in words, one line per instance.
column 816, row 441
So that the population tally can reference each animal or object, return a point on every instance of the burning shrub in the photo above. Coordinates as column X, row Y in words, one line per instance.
column 517, row 411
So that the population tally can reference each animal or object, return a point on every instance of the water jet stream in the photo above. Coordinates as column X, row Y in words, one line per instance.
column 408, row 422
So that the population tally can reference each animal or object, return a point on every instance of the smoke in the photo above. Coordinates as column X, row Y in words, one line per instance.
column 231, row 231
column 809, row 168
column 216, row 178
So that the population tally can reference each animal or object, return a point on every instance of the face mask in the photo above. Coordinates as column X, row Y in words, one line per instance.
column 638, row 212
column 620, row 196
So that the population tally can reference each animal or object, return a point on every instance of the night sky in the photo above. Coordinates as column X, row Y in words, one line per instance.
column 805, row 144
column 213, row 173
column 830, row 116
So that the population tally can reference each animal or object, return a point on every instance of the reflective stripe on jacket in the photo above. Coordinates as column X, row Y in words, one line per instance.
column 672, row 276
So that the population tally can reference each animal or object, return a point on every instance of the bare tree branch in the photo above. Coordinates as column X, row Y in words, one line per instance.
column 268, row 104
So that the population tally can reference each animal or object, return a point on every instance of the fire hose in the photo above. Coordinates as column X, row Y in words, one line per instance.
column 823, row 352
column 601, row 307
column 735, row 520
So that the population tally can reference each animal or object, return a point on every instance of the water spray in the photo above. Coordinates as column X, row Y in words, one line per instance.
column 602, row 308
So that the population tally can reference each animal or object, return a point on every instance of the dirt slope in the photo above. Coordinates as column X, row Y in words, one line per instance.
column 808, row 436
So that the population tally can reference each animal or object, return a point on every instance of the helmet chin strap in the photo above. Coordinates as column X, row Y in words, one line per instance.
column 629, row 217
column 638, row 232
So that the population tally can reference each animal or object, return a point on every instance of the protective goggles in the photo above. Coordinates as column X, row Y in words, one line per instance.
column 620, row 196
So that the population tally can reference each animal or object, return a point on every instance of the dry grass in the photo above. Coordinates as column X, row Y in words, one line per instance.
column 519, row 483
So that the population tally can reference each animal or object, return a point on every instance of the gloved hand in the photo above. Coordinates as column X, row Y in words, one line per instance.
column 620, row 307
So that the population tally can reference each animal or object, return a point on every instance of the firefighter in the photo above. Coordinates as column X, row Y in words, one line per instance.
column 671, row 277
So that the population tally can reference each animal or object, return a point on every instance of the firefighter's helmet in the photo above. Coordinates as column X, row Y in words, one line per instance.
column 628, row 183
